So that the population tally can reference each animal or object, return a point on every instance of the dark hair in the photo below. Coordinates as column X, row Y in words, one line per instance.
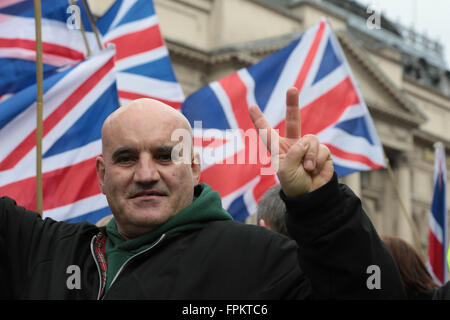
column 415, row 276
column 272, row 209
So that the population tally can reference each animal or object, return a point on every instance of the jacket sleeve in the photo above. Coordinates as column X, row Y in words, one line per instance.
column 26, row 240
column 339, row 249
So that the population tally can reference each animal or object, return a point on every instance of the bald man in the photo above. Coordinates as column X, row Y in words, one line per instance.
column 170, row 237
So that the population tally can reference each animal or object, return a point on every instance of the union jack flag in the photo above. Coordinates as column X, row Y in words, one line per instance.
column 331, row 107
column 437, row 240
column 76, row 103
column 62, row 46
column 142, row 60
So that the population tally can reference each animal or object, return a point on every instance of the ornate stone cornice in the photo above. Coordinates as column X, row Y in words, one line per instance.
column 414, row 115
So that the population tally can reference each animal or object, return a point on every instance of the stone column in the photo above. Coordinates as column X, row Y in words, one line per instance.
column 404, row 186
column 353, row 181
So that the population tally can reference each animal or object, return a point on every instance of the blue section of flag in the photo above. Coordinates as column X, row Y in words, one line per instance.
column 17, row 74
column 140, row 10
column 92, row 217
column 203, row 105
column 268, row 73
column 438, row 246
column 158, row 69
column 328, row 64
column 238, row 209
column 22, row 100
column 356, row 127
column 438, row 209
column 50, row 9
column 88, row 128
column 342, row 171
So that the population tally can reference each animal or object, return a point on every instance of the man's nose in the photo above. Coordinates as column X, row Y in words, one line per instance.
column 146, row 170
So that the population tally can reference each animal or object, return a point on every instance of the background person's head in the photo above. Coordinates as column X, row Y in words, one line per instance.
column 272, row 210
column 142, row 184
column 414, row 274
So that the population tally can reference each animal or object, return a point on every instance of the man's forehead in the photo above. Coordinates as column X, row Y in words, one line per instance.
column 146, row 111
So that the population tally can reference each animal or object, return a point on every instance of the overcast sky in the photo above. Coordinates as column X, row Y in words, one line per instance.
column 431, row 17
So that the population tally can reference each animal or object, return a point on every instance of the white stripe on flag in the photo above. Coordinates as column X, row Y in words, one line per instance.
column 77, row 208
column 131, row 27
column 30, row 55
column 150, row 87
column 436, row 229
column 250, row 85
column 226, row 104
column 125, row 6
column 141, row 58
column 23, row 170
column 351, row 143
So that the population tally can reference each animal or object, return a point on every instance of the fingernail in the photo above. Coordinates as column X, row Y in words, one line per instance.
column 309, row 164
column 304, row 145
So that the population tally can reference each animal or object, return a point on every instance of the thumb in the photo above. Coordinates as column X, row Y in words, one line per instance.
column 295, row 155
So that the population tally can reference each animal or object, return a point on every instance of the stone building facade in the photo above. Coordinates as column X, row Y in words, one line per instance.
column 404, row 81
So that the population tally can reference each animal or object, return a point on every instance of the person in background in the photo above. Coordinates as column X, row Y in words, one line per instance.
column 418, row 283
column 271, row 211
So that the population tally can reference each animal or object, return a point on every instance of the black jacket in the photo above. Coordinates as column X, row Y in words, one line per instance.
column 223, row 260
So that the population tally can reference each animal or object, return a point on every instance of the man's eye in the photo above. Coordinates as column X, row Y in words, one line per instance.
column 124, row 159
column 164, row 157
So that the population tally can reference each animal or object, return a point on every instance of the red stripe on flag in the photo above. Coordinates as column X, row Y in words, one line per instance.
column 326, row 110
column 61, row 187
column 263, row 185
column 236, row 91
column 47, row 48
column 50, row 122
column 227, row 178
column 210, row 143
column 356, row 157
column 133, row 96
column 137, row 42
column 436, row 256
column 309, row 58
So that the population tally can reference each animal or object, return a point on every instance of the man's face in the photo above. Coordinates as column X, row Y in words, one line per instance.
column 143, row 186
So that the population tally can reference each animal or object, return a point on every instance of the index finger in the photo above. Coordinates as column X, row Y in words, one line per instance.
column 261, row 124
column 292, row 124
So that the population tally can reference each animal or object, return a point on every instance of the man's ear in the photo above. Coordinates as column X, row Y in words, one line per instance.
column 196, row 167
column 100, row 168
column 264, row 224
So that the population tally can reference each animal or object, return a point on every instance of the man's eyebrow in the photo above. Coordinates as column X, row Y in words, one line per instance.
column 123, row 150
column 163, row 149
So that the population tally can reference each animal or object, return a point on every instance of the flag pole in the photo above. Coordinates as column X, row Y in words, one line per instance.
column 39, row 104
column 83, row 33
column 404, row 211
column 92, row 23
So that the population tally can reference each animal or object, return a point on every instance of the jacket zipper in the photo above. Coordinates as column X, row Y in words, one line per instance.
column 98, row 267
column 129, row 259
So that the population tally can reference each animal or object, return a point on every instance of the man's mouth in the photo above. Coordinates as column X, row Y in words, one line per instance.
column 147, row 194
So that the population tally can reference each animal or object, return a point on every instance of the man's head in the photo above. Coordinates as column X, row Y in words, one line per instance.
column 143, row 185
column 272, row 210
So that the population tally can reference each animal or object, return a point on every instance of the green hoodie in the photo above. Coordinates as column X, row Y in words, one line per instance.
column 206, row 207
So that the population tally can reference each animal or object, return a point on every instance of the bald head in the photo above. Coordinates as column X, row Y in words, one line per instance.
column 148, row 112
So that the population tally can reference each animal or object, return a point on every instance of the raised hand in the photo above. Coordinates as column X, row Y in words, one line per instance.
column 304, row 164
